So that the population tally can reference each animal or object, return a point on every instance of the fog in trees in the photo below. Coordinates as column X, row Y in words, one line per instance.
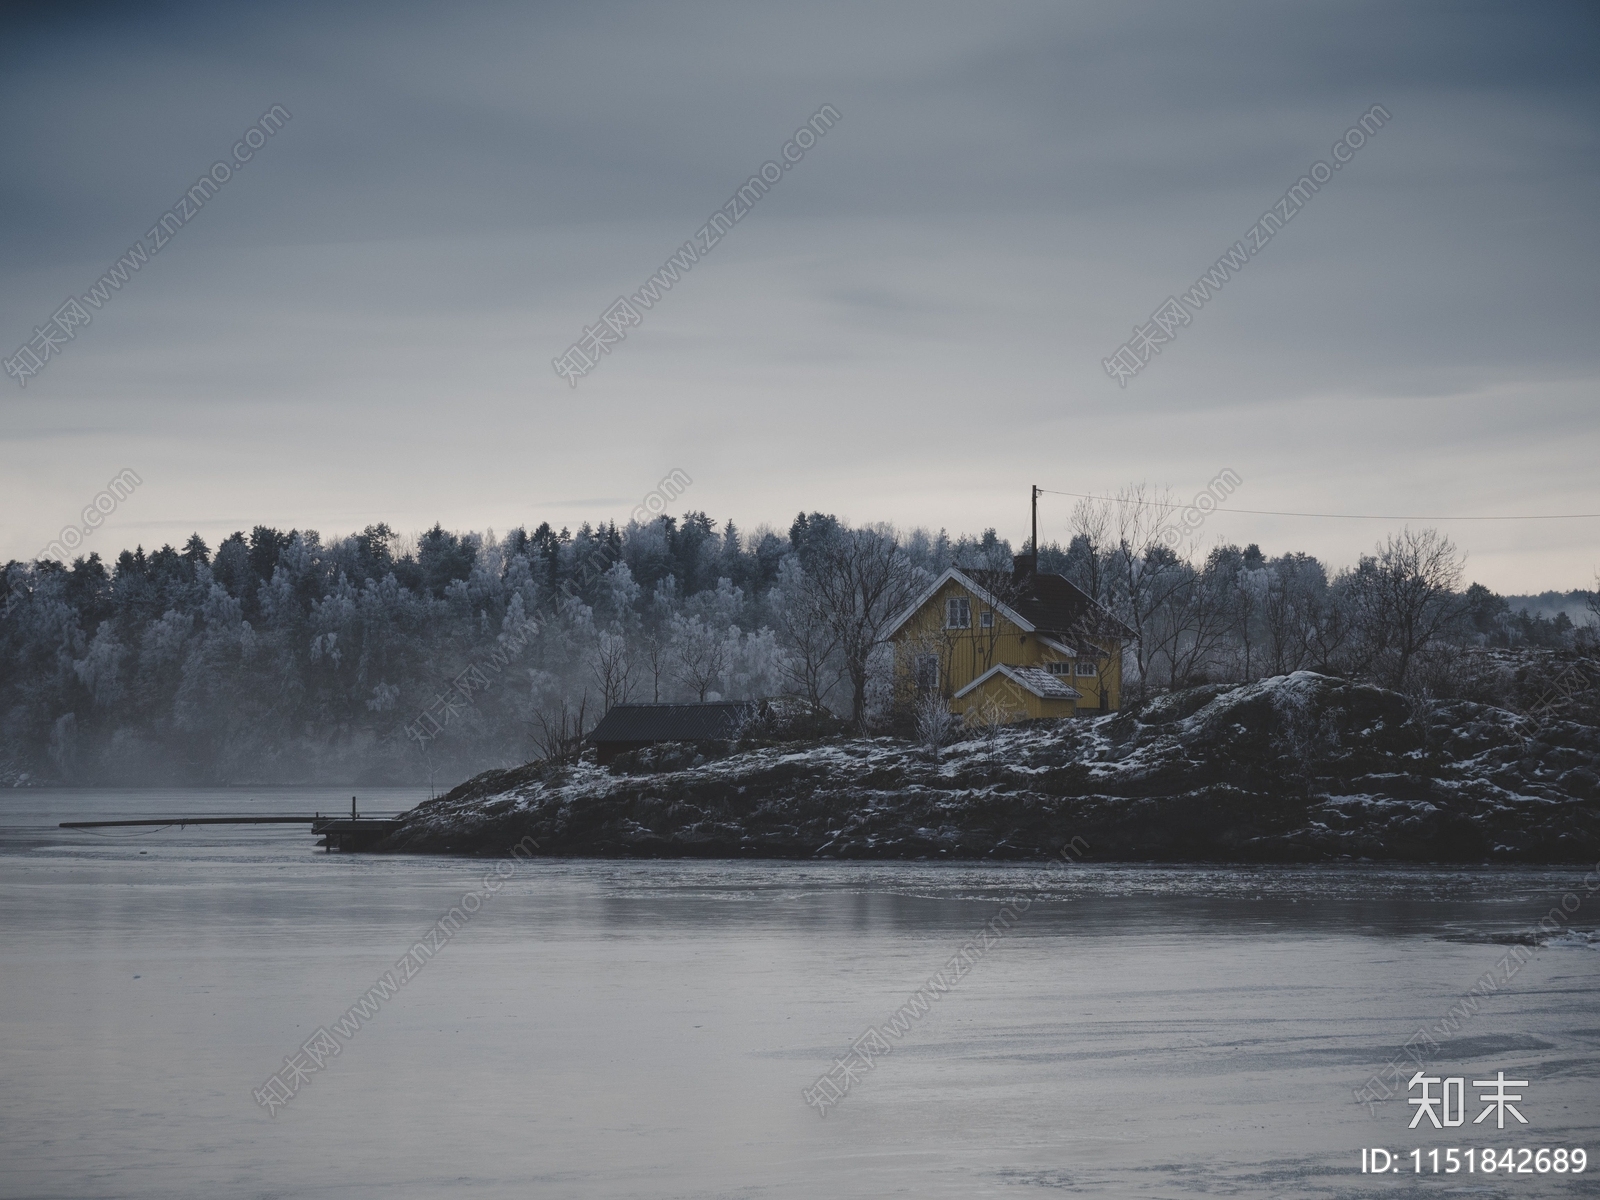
column 281, row 657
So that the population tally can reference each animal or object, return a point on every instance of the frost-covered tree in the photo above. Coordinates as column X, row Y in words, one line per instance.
column 282, row 656
column 813, row 666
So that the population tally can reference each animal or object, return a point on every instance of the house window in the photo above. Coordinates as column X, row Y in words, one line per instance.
column 927, row 672
column 1087, row 668
column 958, row 613
column 986, row 619
column 1059, row 668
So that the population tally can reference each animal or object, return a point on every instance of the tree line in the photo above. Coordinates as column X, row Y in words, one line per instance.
column 371, row 658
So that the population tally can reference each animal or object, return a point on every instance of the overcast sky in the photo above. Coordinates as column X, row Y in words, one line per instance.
column 359, row 325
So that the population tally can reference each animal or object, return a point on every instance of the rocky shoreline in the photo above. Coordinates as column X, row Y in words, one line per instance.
column 1300, row 768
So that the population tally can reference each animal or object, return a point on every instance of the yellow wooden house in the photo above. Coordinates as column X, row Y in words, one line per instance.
column 1014, row 646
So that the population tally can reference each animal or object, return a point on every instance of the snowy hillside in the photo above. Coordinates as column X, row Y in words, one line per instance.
column 1300, row 767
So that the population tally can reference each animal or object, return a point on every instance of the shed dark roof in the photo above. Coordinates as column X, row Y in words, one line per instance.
column 1053, row 603
column 670, row 722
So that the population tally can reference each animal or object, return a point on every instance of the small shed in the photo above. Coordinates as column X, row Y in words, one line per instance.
column 1006, row 693
column 635, row 726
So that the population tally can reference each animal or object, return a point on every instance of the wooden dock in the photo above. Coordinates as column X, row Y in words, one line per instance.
column 352, row 833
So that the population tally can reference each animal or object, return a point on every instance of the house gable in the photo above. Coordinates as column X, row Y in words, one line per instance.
column 981, row 593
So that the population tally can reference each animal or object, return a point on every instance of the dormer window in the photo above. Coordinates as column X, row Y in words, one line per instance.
column 958, row 613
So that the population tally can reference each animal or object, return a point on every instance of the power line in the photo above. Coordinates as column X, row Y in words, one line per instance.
column 1266, row 512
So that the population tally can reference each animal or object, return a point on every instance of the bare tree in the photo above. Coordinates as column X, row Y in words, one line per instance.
column 1295, row 584
column 1336, row 643
column 1089, row 554
column 1412, row 598
column 1193, row 622
column 1247, row 590
column 655, row 641
column 862, row 581
column 559, row 734
column 1146, row 572
column 699, row 654
column 655, row 657
column 611, row 661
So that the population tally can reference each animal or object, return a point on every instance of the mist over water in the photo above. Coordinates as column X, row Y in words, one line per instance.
column 604, row 1028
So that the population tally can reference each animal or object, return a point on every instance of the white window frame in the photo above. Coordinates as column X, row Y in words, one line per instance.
column 1088, row 670
column 1059, row 668
column 986, row 619
column 920, row 665
column 957, row 612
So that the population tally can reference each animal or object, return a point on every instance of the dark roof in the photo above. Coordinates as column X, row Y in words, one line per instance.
column 670, row 722
column 1053, row 603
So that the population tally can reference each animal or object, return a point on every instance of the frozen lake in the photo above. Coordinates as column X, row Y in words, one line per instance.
column 647, row 1028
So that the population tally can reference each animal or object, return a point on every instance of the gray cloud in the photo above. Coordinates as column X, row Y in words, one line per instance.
column 910, row 326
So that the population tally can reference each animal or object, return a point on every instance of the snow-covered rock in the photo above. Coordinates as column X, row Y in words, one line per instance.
column 1295, row 768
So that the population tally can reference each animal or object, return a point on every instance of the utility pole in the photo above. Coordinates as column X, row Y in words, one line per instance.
column 1034, row 545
